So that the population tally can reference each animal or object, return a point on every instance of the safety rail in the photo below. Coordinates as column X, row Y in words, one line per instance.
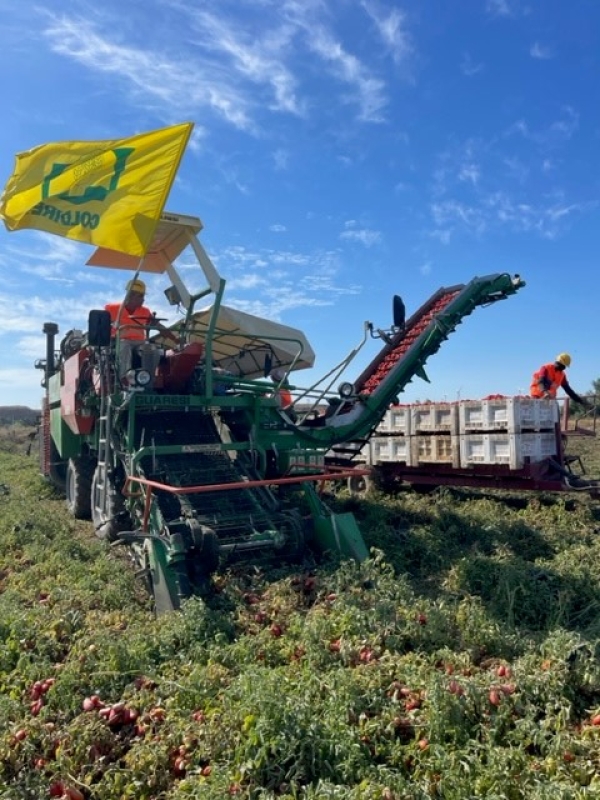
column 579, row 428
column 329, row 473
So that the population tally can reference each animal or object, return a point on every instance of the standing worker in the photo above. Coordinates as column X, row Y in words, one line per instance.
column 550, row 377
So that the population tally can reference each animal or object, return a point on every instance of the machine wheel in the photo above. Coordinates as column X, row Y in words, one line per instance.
column 57, row 470
column 109, row 520
column 78, row 486
column 295, row 545
column 208, row 550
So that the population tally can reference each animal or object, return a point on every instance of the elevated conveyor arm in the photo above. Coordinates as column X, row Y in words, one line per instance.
column 407, row 352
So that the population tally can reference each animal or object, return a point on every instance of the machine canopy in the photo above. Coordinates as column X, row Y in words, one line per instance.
column 245, row 345
column 242, row 343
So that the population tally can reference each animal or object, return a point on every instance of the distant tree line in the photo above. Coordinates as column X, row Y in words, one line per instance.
column 9, row 415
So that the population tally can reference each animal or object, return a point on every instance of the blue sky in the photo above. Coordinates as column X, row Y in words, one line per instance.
column 343, row 151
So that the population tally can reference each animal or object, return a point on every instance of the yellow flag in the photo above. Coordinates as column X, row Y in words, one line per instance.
column 108, row 193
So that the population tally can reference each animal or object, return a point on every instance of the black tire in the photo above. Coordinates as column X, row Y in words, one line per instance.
column 359, row 484
column 384, row 481
column 207, row 550
column 295, row 544
column 423, row 488
column 110, row 519
column 57, row 470
column 78, row 486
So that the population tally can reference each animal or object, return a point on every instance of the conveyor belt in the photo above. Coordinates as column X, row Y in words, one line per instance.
column 403, row 341
column 237, row 516
column 404, row 357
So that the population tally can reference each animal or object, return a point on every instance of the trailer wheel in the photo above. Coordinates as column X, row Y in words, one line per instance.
column 78, row 484
column 359, row 484
column 110, row 519
column 384, row 480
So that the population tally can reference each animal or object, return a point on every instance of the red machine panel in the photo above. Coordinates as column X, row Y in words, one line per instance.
column 78, row 418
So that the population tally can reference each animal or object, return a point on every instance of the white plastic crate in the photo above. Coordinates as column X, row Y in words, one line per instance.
column 299, row 459
column 396, row 420
column 508, row 449
column 388, row 449
column 510, row 414
column 435, row 449
column 434, row 418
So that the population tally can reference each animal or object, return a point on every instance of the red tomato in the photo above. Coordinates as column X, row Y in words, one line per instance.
column 494, row 697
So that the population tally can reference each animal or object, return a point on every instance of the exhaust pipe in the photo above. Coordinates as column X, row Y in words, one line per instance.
column 50, row 329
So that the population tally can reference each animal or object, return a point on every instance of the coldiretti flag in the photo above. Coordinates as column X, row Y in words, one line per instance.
column 107, row 193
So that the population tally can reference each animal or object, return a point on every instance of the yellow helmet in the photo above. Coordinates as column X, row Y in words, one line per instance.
column 136, row 285
column 564, row 359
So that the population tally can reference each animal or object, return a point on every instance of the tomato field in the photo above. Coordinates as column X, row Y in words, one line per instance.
column 462, row 660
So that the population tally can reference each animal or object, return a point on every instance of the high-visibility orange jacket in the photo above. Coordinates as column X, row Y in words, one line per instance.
column 547, row 379
column 285, row 397
column 129, row 326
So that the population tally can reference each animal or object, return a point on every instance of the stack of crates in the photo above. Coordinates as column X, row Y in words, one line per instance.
column 510, row 431
column 391, row 442
column 434, row 434
column 300, row 460
column 424, row 433
column 507, row 430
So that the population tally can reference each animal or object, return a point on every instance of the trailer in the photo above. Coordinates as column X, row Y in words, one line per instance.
column 510, row 443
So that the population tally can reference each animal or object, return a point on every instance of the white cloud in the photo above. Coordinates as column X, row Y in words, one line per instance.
column 281, row 158
column 152, row 75
column 517, row 168
column 391, row 25
column 442, row 235
column 538, row 51
column 469, row 173
column 287, row 279
column 556, row 133
column 236, row 71
column 21, row 387
column 461, row 162
column 368, row 91
column 469, row 67
column 277, row 228
column 254, row 56
column 500, row 8
column 455, row 212
column 508, row 195
column 246, row 282
column 365, row 236
column 558, row 212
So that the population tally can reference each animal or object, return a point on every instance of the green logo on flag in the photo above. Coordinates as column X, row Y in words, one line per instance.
column 98, row 193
